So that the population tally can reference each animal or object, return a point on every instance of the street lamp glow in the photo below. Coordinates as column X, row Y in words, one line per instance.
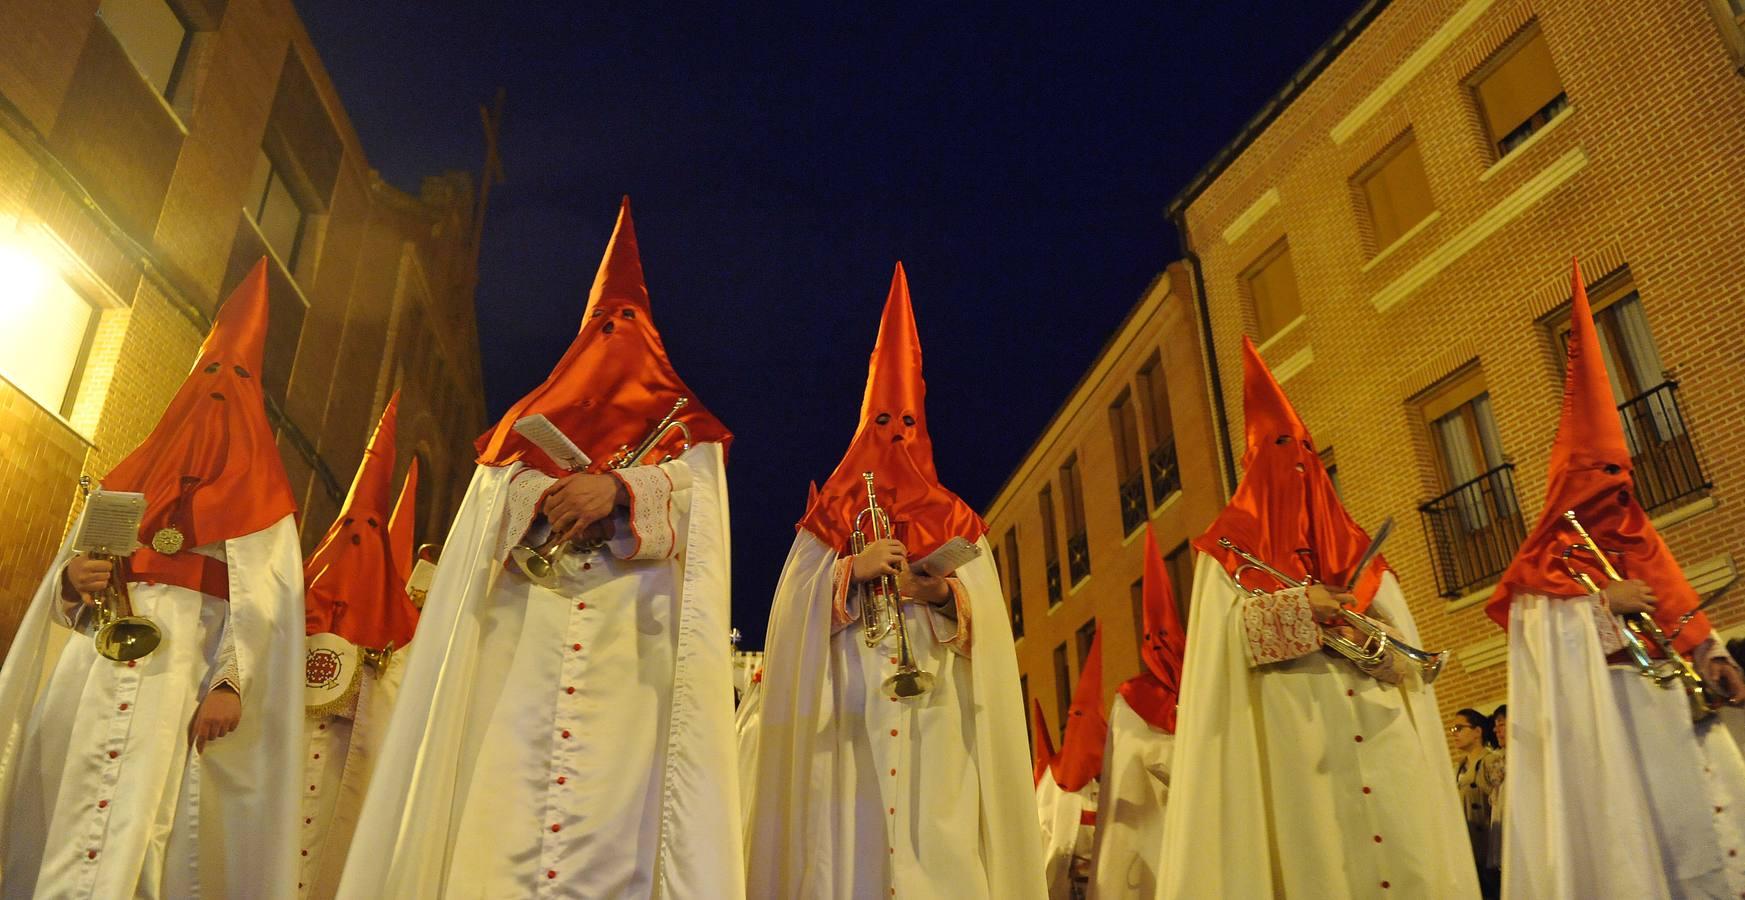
column 24, row 279
column 43, row 323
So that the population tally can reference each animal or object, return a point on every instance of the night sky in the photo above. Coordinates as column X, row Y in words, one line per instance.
column 1016, row 159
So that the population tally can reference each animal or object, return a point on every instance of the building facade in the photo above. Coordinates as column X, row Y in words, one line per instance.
column 1133, row 443
column 1395, row 232
column 151, row 151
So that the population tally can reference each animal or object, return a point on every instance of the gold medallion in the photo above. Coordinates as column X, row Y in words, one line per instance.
column 167, row 541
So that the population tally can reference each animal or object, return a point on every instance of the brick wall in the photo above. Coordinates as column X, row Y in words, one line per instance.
column 1642, row 171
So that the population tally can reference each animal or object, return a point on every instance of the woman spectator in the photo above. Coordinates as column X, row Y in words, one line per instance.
column 1477, row 774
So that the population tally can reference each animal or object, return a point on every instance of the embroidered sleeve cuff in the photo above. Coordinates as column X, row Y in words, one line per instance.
column 1710, row 649
column 652, row 533
column 1280, row 626
column 70, row 609
column 841, row 594
column 1607, row 626
column 955, row 610
column 225, row 670
column 521, row 511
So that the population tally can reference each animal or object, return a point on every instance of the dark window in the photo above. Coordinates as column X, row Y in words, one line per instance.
column 1014, row 584
column 1078, row 547
column 1050, row 544
column 1139, row 620
column 1129, row 474
column 1330, row 463
column 1474, row 526
column 1180, row 565
column 1087, row 633
column 1159, row 431
column 1029, row 733
column 1062, row 686
column 1520, row 93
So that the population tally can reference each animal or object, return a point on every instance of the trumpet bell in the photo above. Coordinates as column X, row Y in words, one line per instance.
column 1432, row 668
column 908, row 685
column 127, row 639
column 535, row 566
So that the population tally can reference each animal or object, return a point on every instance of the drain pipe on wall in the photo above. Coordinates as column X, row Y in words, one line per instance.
column 1215, row 380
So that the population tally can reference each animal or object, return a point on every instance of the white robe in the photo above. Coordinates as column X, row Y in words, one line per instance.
column 1612, row 792
column 1131, row 806
column 1065, row 836
column 338, row 758
column 567, row 743
column 1290, row 772
column 102, row 791
column 745, row 732
column 861, row 796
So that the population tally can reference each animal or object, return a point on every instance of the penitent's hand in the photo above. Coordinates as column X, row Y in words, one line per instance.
column 880, row 558
column 578, row 501
column 930, row 589
column 1724, row 676
column 88, row 576
column 217, row 716
column 1326, row 604
column 1629, row 596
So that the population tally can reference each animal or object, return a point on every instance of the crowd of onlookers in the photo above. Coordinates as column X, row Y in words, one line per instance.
column 1480, row 742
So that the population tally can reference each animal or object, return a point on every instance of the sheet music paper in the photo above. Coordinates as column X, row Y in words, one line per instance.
column 948, row 558
column 552, row 440
column 422, row 574
column 111, row 523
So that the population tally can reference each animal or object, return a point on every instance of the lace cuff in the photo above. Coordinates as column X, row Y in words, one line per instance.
column 521, row 511
column 1707, row 651
column 224, row 669
column 1280, row 626
column 1609, row 629
column 957, row 611
column 70, row 608
column 652, row 533
column 842, row 593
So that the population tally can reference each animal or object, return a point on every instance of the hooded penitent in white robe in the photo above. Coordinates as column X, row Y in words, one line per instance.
column 339, row 757
column 575, row 742
column 745, row 732
column 1133, row 797
column 1068, row 829
column 103, row 793
column 1306, row 778
column 1612, row 791
column 860, row 796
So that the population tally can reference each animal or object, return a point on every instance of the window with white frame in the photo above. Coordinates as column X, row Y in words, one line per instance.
column 278, row 213
column 156, row 38
column 45, row 329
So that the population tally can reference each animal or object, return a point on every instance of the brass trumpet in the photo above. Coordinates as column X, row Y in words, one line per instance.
column 117, row 633
column 881, row 605
column 1377, row 642
column 540, row 563
column 1640, row 629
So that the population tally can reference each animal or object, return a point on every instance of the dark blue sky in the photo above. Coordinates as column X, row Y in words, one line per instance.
column 1016, row 158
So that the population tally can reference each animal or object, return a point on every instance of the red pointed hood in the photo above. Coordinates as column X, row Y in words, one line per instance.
column 1087, row 727
column 1591, row 474
column 615, row 381
column 352, row 586
column 893, row 443
column 211, row 468
column 1153, row 693
column 403, row 525
column 1041, row 744
column 1285, row 511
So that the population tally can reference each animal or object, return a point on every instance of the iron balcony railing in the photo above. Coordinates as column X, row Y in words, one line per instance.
column 1053, row 570
column 1133, row 501
column 1662, row 460
column 1166, row 476
column 1078, row 556
column 1474, row 530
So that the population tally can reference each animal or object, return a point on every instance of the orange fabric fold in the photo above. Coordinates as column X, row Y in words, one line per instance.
column 1154, row 692
column 1087, row 726
column 893, row 443
column 403, row 525
column 1591, row 474
column 1041, row 745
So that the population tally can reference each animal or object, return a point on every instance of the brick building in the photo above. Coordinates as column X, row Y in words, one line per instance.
column 1395, row 232
column 150, row 152
column 1134, row 442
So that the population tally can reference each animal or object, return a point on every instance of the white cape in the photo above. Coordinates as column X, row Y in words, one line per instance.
column 812, row 801
column 1065, row 836
column 405, row 839
column 1289, row 773
column 1130, row 807
column 1611, row 791
column 229, row 811
column 745, row 728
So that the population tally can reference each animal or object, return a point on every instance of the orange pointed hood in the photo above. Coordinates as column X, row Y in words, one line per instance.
column 1041, row 744
column 211, row 470
column 403, row 525
column 1285, row 511
column 1591, row 474
column 1153, row 693
column 615, row 381
column 1087, row 727
column 352, row 587
column 893, row 443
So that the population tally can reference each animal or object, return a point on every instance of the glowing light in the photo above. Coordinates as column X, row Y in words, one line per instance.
column 43, row 323
column 24, row 279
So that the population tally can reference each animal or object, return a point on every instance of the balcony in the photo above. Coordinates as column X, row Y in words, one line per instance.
column 1133, row 502
column 1078, row 556
column 1662, row 459
column 1166, row 476
column 1053, row 581
column 1474, row 531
